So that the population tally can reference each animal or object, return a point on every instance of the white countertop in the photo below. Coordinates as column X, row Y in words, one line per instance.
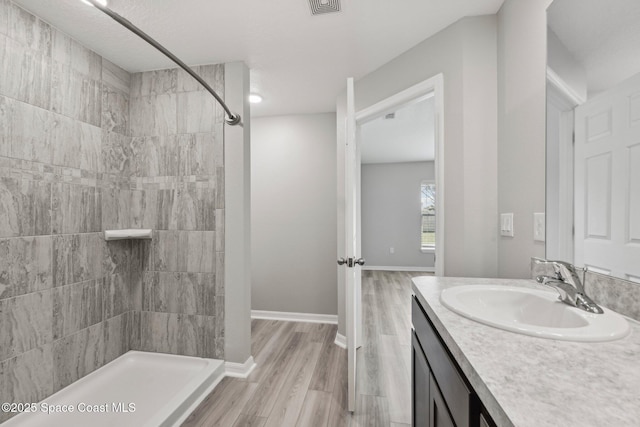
column 528, row 381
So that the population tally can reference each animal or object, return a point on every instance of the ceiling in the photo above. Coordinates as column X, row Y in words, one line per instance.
column 604, row 36
column 299, row 62
column 408, row 137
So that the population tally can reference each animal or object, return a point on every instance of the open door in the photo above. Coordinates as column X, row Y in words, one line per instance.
column 352, row 262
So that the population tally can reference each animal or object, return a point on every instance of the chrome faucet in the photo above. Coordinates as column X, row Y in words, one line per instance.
column 568, row 284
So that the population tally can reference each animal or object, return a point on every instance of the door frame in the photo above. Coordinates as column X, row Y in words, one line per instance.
column 432, row 87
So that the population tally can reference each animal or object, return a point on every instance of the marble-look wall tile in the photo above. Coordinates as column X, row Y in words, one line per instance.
column 220, row 284
column 213, row 337
column 196, row 112
column 172, row 333
column 134, row 330
column 153, row 115
column 29, row 30
column 76, row 307
column 26, row 74
column 26, row 377
column 196, row 251
column 154, row 82
column 116, row 153
column 76, row 209
column 167, row 207
column 76, row 144
column 213, row 300
column 90, row 147
column 77, row 258
column 116, row 336
column 197, row 154
column 171, row 292
column 116, row 77
column 77, row 355
column 164, row 248
column 117, row 257
column 144, row 209
column 195, row 208
column 65, row 141
column 115, row 110
column 115, row 209
column 75, row 95
column 25, row 323
column 212, row 74
column 154, row 156
column 140, row 253
column 25, row 131
column 25, row 206
column 25, row 265
column 88, row 251
column 69, row 52
column 116, row 295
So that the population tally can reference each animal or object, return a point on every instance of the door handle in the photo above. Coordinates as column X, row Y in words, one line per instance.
column 351, row 262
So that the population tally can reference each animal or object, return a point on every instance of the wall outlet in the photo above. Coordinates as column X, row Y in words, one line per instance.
column 539, row 227
column 506, row 224
column 392, row 250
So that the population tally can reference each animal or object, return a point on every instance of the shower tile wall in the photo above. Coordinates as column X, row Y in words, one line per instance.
column 64, row 294
column 84, row 147
column 177, row 167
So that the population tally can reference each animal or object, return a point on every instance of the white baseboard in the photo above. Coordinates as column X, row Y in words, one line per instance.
column 392, row 268
column 295, row 317
column 341, row 340
column 239, row 370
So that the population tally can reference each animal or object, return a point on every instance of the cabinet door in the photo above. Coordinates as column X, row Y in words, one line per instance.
column 439, row 414
column 420, row 386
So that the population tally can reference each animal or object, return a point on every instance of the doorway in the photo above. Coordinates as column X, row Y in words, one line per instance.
column 350, row 275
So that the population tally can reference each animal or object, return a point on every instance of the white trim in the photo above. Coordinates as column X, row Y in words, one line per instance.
column 398, row 268
column 239, row 370
column 341, row 340
column 428, row 250
column 432, row 87
column 295, row 317
column 555, row 80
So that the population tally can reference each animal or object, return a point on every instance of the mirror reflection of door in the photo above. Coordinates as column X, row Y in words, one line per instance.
column 594, row 66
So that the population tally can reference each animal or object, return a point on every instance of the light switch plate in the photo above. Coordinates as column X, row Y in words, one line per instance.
column 506, row 224
column 539, row 227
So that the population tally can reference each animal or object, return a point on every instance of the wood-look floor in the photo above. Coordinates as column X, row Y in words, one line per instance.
column 301, row 375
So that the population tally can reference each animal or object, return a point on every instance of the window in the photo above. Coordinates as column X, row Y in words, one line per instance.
column 428, row 208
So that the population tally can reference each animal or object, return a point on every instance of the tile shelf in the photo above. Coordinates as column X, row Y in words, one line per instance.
column 127, row 234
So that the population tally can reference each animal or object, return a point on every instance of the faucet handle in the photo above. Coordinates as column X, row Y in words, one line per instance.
column 564, row 271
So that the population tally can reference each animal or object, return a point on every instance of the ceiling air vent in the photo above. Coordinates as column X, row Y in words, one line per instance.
column 320, row 7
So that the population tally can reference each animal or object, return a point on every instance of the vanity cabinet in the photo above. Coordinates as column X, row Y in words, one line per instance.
column 441, row 395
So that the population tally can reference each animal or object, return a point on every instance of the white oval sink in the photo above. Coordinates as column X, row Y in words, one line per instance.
column 533, row 312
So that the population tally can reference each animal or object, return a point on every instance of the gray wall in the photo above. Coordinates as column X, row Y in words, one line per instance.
column 390, row 201
column 293, row 206
column 522, row 37
column 465, row 53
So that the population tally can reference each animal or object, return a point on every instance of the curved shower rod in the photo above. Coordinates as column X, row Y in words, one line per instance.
column 230, row 119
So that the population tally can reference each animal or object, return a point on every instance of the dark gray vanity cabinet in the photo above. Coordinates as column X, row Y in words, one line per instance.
column 441, row 395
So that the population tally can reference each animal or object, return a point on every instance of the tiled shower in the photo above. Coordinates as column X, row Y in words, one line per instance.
column 86, row 147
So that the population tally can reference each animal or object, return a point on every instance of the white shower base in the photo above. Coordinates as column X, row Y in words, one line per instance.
column 163, row 389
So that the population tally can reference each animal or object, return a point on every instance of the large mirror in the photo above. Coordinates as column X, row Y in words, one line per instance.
column 593, row 135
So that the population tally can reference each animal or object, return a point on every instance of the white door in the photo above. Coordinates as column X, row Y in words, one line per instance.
column 352, row 226
column 607, row 181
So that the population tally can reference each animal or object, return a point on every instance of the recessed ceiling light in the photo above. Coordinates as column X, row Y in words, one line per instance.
column 254, row 98
column 101, row 2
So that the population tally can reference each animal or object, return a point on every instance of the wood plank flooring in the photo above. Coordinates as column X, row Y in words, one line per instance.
column 301, row 375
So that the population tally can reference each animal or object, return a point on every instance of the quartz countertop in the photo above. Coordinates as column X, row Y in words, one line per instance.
column 526, row 381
